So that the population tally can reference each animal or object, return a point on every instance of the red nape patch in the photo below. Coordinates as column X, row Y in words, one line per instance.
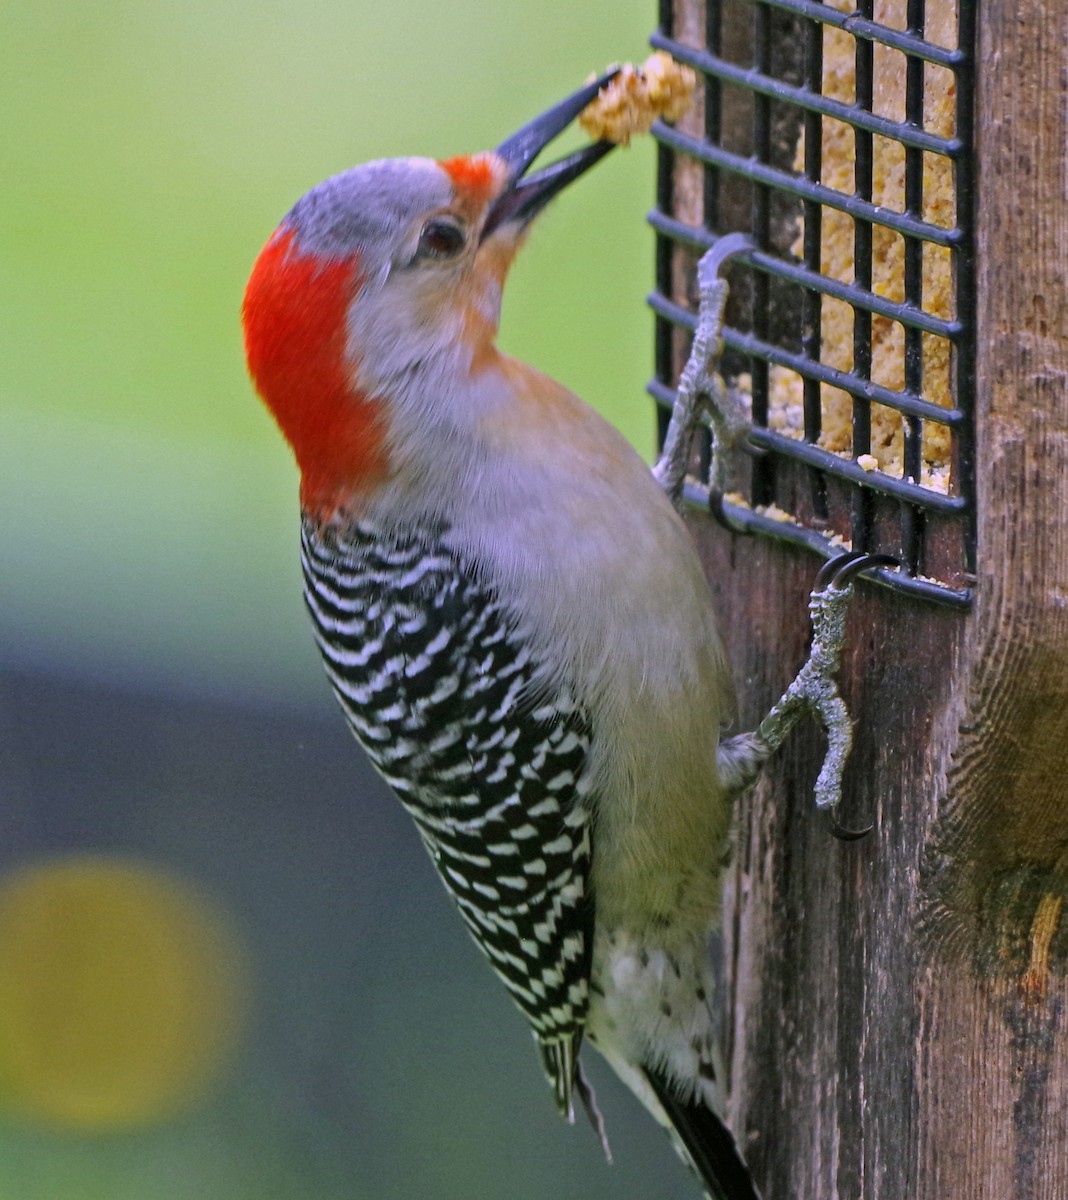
column 295, row 320
column 473, row 174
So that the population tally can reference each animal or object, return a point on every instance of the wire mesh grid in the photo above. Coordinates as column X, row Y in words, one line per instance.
column 840, row 136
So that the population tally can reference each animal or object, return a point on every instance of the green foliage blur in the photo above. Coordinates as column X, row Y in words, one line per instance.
column 147, row 152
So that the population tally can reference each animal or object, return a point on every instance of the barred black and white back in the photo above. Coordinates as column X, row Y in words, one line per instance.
column 435, row 685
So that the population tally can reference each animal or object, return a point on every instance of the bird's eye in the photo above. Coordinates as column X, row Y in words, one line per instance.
column 440, row 239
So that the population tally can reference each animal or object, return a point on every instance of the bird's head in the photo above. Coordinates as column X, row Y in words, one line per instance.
column 385, row 272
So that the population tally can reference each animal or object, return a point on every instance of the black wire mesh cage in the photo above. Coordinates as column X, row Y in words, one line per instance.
column 840, row 136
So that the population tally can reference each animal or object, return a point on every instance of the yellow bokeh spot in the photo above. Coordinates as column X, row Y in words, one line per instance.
column 120, row 992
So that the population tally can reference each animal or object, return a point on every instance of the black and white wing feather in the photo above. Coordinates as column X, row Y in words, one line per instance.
column 436, row 685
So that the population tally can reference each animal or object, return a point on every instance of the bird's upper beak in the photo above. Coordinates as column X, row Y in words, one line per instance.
column 526, row 195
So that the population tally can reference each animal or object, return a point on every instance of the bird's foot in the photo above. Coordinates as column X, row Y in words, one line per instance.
column 814, row 690
column 701, row 391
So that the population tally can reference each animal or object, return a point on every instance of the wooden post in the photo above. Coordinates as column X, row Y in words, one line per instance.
column 898, row 1007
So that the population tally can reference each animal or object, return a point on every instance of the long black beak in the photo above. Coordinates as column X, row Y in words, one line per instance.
column 526, row 196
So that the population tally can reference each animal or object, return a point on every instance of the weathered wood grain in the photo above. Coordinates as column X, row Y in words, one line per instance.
column 897, row 1025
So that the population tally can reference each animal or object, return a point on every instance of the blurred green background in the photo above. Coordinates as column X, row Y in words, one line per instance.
column 148, row 152
column 226, row 969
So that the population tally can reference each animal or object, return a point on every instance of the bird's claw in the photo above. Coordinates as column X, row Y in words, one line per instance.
column 814, row 690
column 701, row 390
column 838, row 573
column 831, row 568
column 843, row 833
column 721, row 252
column 830, row 595
column 719, row 513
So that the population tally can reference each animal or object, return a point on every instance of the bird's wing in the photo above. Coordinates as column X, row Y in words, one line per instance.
column 440, row 690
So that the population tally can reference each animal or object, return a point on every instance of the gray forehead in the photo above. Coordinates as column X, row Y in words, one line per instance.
column 369, row 207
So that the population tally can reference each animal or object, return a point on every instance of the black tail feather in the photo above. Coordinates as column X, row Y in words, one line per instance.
column 708, row 1142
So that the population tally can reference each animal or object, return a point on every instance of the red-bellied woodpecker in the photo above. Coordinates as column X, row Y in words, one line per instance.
column 511, row 613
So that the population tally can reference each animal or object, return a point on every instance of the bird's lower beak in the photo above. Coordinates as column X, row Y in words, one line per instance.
column 526, row 195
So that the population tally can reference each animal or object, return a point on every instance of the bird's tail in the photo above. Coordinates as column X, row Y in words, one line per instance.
column 705, row 1142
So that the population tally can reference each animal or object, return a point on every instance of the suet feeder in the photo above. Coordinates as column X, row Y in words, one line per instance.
column 900, row 334
column 845, row 148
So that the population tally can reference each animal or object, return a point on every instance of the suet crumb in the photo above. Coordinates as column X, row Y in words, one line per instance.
column 774, row 513
column 634, row 99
